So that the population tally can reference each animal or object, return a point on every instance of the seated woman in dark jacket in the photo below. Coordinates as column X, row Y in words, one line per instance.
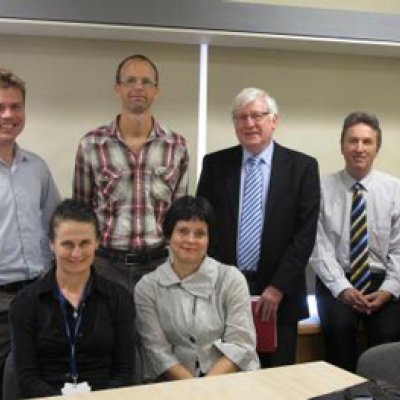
column 72, row 330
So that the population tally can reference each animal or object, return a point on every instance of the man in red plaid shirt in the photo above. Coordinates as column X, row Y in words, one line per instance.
column 130, row 172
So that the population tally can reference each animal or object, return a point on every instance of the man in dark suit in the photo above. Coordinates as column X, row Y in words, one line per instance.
column 289, row 204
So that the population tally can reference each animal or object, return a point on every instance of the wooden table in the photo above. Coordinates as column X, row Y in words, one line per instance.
column 295, row 382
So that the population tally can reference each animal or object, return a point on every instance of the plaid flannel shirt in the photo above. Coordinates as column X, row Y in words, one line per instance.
column 130, row 192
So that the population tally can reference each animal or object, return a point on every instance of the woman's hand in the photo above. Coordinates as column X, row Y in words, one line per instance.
column 177, row 372
column 222, row 366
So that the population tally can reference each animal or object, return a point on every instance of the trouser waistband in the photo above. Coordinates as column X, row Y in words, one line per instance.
column 14, row 287
column 130, row 257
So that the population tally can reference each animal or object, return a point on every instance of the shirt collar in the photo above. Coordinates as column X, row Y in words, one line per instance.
column 156, row 132
column 265, row 155
column 19, row 155
column 49, row 284
column 349, row 181
column 200, row 284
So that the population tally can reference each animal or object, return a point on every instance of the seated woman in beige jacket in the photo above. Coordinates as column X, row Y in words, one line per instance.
column 193, row 313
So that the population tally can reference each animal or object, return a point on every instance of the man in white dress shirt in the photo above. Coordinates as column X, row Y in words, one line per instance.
column 342, row 304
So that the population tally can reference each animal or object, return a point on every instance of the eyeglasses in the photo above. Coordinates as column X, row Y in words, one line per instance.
column 132, row 81
column 255, row 117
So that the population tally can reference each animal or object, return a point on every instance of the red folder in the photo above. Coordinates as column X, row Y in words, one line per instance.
column 267, row 339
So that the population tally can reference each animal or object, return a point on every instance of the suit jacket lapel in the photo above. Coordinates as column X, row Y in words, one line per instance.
column 276, row 180
column 233, row 179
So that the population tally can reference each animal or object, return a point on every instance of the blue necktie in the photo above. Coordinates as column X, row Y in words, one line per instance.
column 251, row 220
column 360, row 273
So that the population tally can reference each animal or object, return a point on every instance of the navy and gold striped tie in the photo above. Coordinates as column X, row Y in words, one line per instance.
column 360, row 272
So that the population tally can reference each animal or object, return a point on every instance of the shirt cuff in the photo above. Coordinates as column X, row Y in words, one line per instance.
column 242, row 356
column 337, row 286
column 391, row 286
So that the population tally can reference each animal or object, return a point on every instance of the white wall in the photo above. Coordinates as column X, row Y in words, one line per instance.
column 70, row 91
column 315, row 91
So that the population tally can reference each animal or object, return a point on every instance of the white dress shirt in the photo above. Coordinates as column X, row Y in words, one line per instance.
column 196, row 320
column 330, row 258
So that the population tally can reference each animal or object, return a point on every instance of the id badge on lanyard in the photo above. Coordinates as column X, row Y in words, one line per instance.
column 74, row 387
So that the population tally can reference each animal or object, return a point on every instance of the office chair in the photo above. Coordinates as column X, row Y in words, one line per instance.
column 381, row 363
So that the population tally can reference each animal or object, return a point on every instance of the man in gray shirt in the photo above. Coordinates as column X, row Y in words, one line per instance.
column 357, row 251
column 28, row 196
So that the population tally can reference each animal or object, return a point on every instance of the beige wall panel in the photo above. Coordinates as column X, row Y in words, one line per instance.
column 382, row 6
column 70, row 85
column 315, row 91
column 70, row 91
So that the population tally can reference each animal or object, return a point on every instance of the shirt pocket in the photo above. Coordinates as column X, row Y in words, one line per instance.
column 163, row 183
column 110, row 184
column 379, row 236
column 337, row 221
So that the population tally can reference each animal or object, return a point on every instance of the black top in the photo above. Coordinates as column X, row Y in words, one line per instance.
column 105, row 343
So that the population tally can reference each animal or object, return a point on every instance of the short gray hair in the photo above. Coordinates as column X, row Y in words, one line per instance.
column 248, row 95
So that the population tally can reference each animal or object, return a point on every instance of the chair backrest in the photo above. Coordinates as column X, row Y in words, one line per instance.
column 10, row 386
column 381, row 362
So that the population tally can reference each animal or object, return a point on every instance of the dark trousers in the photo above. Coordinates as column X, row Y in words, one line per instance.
column 6, row 297
column 5, row 344
column 341, row 326
column 126, row 275
column 285, row 353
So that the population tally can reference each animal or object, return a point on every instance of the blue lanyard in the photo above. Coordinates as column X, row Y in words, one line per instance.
column 72, row 336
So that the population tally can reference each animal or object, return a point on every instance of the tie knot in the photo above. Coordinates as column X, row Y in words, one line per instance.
column 357, row 186
column 254, row 161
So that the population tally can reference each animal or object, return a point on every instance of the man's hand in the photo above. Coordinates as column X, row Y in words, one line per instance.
column 355, row 299
column 377, row 299
column 269, row 303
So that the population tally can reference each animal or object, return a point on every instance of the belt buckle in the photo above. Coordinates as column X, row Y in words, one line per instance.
column 130, row 259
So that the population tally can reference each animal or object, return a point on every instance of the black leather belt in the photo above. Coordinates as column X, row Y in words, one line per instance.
column 133, row 257
column 14, row 287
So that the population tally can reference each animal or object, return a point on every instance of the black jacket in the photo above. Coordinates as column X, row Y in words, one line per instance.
column 105, row 344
